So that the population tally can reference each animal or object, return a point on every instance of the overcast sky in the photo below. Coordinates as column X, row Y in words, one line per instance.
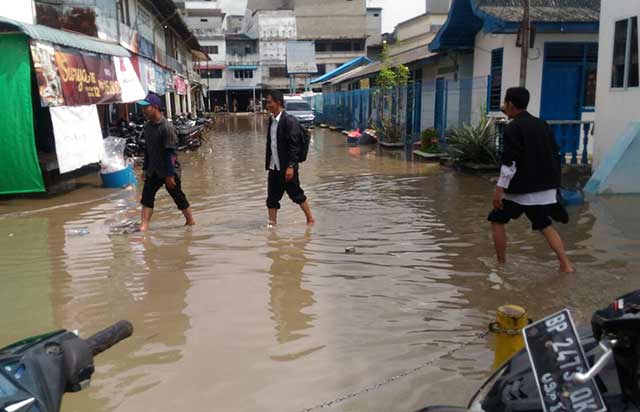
column 394, row 11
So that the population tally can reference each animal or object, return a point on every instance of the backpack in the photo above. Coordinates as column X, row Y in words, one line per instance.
column 305, row 140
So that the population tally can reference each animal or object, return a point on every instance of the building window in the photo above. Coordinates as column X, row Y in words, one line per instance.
column 376, row 14
column 497, row 58
column 211, row 74
column 321, row 46
column 322, row 69
column 624, row 72
column 123, row 10
column 210, row 49
column 341, row 46
column 204, row 20
column 243, row 74
column 358, row 45
column 275, row 72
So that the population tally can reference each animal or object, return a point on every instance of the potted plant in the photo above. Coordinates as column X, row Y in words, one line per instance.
column 473, row 147
column 429, row 141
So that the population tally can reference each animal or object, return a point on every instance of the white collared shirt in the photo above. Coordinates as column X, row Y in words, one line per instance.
column 545, row 197
column 275, row 160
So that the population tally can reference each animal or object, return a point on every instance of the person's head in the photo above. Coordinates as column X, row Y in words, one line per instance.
column 275, row 102
column 151, row 107
column 515, row 101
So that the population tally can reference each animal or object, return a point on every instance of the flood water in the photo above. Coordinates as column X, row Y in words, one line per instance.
column 231, row 315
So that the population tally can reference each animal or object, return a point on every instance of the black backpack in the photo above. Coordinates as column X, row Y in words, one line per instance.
column 305, row 140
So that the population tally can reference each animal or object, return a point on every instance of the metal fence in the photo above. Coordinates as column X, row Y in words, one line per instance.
column 442, row 104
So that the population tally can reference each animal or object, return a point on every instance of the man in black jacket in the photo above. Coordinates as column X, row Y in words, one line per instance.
column 283, row 151
column 529, row 177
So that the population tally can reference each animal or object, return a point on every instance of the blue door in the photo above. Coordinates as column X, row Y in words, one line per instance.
column 561, row 100
column 440, row 119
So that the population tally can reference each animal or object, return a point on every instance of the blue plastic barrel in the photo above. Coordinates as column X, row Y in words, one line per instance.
column 116, row 180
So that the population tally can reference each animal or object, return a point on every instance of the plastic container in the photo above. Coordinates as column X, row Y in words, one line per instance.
column 116, row 180
column 572, row 197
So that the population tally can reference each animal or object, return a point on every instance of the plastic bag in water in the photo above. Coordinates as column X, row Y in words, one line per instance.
column 113, row 159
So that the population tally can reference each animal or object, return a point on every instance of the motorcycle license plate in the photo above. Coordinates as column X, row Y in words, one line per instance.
column 556, row 355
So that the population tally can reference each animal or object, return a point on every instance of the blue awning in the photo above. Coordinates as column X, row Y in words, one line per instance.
column 460, row 29
column 243, row 67
column 359, row 61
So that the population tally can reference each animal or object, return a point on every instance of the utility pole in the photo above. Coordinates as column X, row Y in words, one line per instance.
column 525, row 34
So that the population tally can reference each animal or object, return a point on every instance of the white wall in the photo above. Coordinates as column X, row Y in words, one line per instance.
column 20, row 10
column 511, row 64
column 222, row 50
column 616, row 107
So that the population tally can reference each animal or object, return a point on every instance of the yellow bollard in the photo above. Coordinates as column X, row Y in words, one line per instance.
column 510, row 320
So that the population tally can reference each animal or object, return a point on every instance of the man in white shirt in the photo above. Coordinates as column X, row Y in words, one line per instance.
column 529, row 177
column 284, row 146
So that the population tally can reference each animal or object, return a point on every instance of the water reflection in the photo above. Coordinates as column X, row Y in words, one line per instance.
column 288, row 298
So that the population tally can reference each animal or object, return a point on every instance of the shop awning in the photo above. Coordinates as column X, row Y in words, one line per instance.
column 63, row 38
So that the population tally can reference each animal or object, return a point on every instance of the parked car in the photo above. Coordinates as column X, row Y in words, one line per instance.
column 300, row 109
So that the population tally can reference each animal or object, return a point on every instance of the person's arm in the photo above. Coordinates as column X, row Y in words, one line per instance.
column 170, row 155
column 511, row 150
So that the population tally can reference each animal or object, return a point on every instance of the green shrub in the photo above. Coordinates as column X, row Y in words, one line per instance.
column 429, row 141
column 474, row 143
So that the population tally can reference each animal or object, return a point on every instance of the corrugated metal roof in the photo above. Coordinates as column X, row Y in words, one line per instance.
column 64, row 38
column 407, row 57
column 553, row 11
column 341, row 69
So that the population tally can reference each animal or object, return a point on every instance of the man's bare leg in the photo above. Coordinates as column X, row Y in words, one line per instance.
column 307, row 212
column 273, row 217
column 500, row 241
column 190, row 221
column 555, row 241
column 147, row 212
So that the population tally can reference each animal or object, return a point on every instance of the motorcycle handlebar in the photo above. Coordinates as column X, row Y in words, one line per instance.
column 110, row 336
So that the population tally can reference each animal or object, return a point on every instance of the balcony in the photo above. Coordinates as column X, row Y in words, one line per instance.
column 208, row 34
column 176, row 65
column 242, row 60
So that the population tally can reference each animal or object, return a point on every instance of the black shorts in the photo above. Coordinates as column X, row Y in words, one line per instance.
column 539, row 215
column 277, row 186
column 151, row 186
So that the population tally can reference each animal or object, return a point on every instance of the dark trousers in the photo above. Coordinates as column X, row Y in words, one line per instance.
column 277, row 186
column 151, row 186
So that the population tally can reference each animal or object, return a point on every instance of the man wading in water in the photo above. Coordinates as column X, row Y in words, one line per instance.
column 161, row 166
column 284, row 144
column 529, row 178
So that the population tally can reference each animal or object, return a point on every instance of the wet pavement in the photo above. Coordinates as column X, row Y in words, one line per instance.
column 234, row 316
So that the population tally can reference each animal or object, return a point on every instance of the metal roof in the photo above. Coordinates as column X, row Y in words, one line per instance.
column 64, row 38
column 342, row 69
column 410, row 56
column 556, row 11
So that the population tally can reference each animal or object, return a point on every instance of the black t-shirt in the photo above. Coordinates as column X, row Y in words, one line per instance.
column 159, row 136
column 530, row 143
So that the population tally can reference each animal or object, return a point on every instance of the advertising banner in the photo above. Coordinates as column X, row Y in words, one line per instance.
column 44, row 63
column 181, row 85
column 87, row 78
column 129, row 83
column 78, row 136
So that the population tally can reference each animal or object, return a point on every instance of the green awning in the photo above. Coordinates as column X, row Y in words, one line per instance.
column 19, row 166
column 64, row 38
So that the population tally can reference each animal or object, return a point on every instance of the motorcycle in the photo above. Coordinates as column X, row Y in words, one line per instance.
column 564, row 369
column 35, row 373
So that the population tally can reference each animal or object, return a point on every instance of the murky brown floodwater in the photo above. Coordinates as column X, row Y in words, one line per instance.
column 233, row 316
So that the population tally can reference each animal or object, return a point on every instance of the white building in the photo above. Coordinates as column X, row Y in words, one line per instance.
column 478, row 50
column 273, row 29
column 617, row 136
column 618, row 91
